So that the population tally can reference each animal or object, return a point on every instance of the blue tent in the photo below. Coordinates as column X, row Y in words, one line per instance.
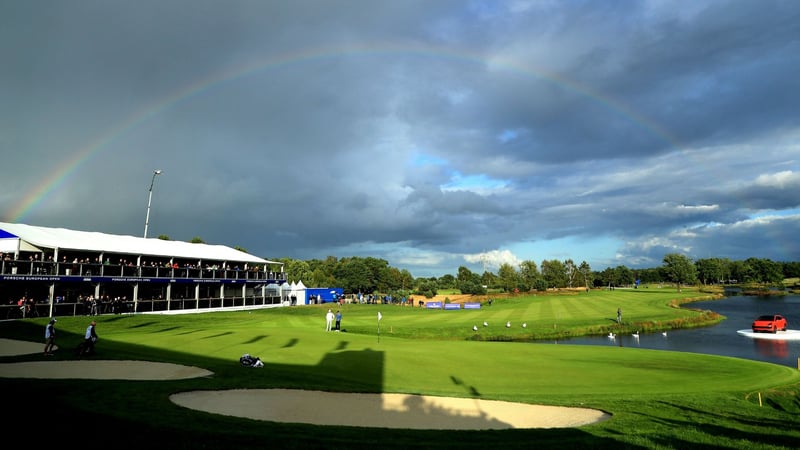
column 326, row 295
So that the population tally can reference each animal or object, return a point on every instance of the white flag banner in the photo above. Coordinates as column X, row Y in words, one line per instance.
column 379, row 315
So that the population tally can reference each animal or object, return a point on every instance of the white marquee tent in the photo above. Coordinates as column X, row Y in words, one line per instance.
column 20, row 237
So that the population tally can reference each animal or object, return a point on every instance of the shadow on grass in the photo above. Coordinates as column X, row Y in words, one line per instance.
column 703, row 426
column 147, row 421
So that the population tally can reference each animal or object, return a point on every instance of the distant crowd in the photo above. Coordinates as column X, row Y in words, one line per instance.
column 35, row 264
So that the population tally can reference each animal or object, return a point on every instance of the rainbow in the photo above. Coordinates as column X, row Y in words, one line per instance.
column 20, row 210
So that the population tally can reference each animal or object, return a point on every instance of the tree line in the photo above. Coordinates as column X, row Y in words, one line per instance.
column 369, row 275
column 374, row 275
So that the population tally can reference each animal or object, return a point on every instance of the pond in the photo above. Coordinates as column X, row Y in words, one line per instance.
column 722, row 339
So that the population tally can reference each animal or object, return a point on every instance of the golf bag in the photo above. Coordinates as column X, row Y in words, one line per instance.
column 250, row 361
column 86, row 347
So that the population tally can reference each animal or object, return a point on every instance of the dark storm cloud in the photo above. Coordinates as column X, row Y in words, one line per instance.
column 427, row 133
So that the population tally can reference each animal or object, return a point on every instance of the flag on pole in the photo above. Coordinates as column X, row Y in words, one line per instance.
column 379, row 326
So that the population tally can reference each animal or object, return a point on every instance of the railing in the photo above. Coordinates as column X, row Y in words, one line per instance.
column 24, row 267
column 204, row 303
column 31, row 310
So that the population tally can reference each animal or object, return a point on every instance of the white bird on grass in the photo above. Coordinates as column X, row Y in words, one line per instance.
column 474, row 328
column 485, row 324
column 508, row 324
column 524, row 325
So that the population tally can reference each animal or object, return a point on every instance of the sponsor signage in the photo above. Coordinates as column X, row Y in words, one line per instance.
column 30, row 278
column 452, row 306
column 472, row 306
column 433, row 305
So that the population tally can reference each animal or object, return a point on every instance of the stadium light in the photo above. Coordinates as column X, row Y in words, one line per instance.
column 149, row 200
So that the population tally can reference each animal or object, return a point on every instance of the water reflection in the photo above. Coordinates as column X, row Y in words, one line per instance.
column 722, row 339
column 772, row 348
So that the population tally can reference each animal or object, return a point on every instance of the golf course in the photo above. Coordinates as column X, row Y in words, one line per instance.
column 642, row 398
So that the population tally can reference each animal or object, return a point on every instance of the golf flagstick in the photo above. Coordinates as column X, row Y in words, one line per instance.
column 379, row 326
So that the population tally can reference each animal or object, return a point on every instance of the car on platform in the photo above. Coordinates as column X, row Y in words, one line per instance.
column 769, row 324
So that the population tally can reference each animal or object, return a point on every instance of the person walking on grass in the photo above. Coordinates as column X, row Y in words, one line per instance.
column 50, row 337
column 89, row 339
column 619, row 316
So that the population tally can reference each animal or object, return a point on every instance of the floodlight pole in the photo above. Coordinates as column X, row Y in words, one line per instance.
column 149, row 200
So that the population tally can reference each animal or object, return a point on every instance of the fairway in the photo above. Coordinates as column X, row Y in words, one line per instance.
column 431, row 353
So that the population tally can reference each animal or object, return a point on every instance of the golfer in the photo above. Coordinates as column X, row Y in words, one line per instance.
column 50, row 337
column 329, row 320
column 89, row 339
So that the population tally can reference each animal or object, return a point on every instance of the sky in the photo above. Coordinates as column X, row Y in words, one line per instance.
column 433, row 134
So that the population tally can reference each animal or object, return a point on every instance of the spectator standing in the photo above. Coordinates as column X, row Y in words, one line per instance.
column 619, row 316
column 50, row 337
column 329, row 320
column 338, row 320
column 92, row 306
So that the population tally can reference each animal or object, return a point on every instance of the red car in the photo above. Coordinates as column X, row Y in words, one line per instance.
column 769, row 324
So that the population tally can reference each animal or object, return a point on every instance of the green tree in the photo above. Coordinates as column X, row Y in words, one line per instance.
column 490, row 280
column 540, row 284
column 608, row 277
column 586, row 273
column 321, row 272
column 508, row 277
column 623, row 276
column 381, row 277
column 570, row 271
column 529, row 274
column 791, row 269
column 296, row 270
column 554, row 273
column 447, row 281
column 464, row 275
column 473, row 287
column 427, row 288
column 679, row 269
column 765, row 270
column 709, row 270
column 651, row 275
column 406, row 279
column 353, row 276
column 468, row 282
column 741, row 272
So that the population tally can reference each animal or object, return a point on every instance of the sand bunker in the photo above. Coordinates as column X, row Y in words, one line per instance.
column 101, row 370
column 11, row 347
column 403, row 411
column 384, row 410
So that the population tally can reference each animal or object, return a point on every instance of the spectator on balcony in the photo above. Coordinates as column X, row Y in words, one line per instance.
column 51, row 265
column 8, row 263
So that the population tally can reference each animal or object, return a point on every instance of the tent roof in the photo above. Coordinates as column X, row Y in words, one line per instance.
column 34, row 238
